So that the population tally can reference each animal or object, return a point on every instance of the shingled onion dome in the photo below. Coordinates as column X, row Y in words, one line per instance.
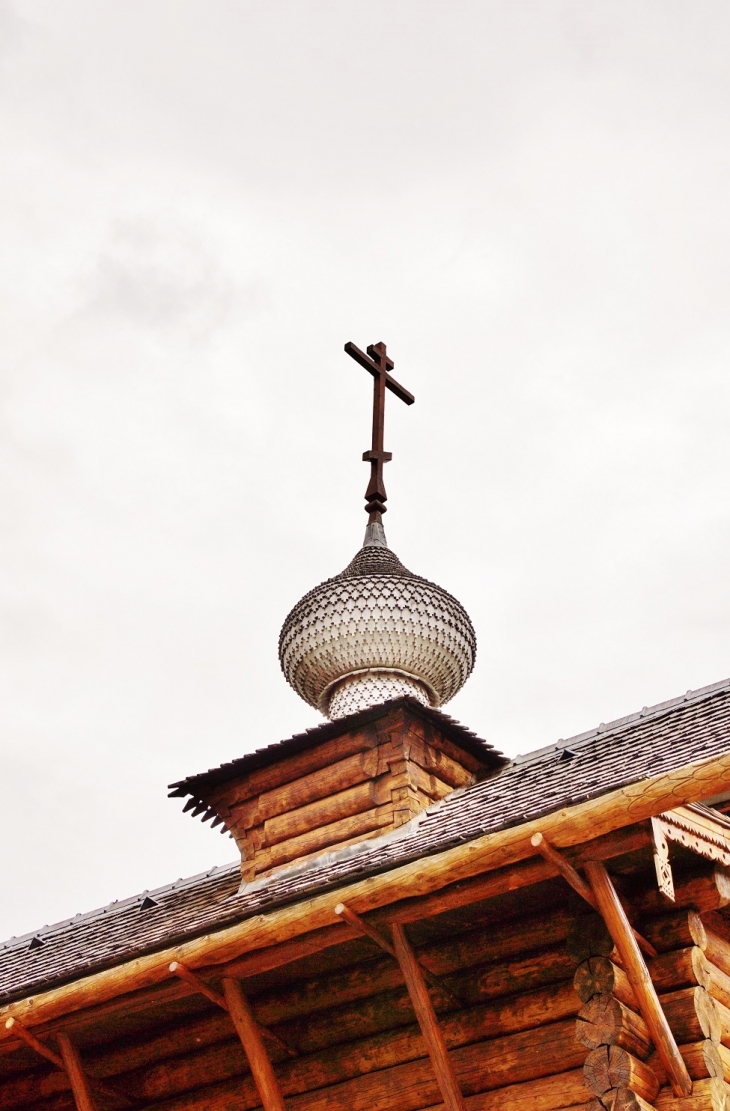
column 376, row 631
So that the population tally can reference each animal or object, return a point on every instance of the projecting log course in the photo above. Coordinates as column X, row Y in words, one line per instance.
column 702, row 1060
column 622, row 1099
column 723, row 1022
column 692, row 1015
column 725, row 1061
column 703, row 894
column 408, row 1087
column 707, row 1095
column 680, row 968
column 606, row 1021
column 447, row 1082
column 76, row 1076
column 719, row 984
column 636, row 970
column 600, row 976
column 248, row 1031
column 676, row 931
column 588, row 937
column 717, row 950
column 613, row 1067
column 500, row 849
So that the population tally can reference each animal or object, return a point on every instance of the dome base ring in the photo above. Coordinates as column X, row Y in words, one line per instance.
column 323, row 700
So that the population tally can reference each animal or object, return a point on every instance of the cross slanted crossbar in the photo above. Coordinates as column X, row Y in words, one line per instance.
column 379, row 364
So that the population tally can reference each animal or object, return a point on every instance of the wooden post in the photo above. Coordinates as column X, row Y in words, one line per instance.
column 248, row 1031
column 448, row 1085
column 567, row 871
column 367, row 930
column 32, row 1041
column 76, row 1076
column 195, row 982
column 620, row 930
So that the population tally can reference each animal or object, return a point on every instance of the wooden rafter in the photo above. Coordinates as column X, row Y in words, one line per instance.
column 367, row 930
column 31, row 1040
column 496, row 862
column 432, row 1034
column 576, row 881
column 249, row 1033
column 76, row 1075
column 200, row 985
column 70, row 1063
column 620, row 930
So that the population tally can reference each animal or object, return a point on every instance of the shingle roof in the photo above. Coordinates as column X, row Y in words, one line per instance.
column 200, row 784
column 656, row 740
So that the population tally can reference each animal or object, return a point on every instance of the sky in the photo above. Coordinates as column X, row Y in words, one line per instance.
column 200, row 203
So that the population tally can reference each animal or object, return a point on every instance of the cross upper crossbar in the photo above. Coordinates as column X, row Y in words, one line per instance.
column 378, row 363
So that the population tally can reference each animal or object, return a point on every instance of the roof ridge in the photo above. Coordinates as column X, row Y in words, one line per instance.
column 646, row 713
column 116, row 905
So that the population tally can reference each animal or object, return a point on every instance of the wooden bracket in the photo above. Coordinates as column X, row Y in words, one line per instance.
column 432, row 1033
column 576, row 881
column 662, row 865
column 189, row 977
column 620, row 930
column 70, row 1063
column 25, row 1035
column 363, row 927
column 250, row 1032
column 698, row 829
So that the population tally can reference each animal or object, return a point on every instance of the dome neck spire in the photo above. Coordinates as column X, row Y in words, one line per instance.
column 375, row 534
column 378, row 363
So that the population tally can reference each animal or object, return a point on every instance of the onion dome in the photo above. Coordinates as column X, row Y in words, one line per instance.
column 376, row 631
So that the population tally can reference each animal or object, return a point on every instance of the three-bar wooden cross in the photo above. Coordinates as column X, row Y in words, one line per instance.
column 379, row 365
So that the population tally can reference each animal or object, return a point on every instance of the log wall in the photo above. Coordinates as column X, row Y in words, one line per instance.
column 535, row 1010
column 348, row 789
column 691, row 974
column 511, row 1036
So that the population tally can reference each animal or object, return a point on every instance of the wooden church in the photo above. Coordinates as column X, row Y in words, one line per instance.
column 415, row 922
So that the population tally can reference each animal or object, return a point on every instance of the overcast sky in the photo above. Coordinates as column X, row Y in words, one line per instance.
column 200, row 202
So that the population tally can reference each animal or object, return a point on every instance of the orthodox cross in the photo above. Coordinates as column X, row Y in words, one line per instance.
column 379, row 365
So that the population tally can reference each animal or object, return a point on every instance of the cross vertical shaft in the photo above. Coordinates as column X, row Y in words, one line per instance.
column 379, row 364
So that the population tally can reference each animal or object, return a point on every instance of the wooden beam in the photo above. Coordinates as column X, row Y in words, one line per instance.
column 189, row 977
column 199, row 985
column 31, row 1040
column 620, row 930
column 445, row 1076
column 576, row 881
column 564, row 867
column 248, row 1031
column 364, row 928
column 568, row 826
column 76, row 1075
column 367, row 930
